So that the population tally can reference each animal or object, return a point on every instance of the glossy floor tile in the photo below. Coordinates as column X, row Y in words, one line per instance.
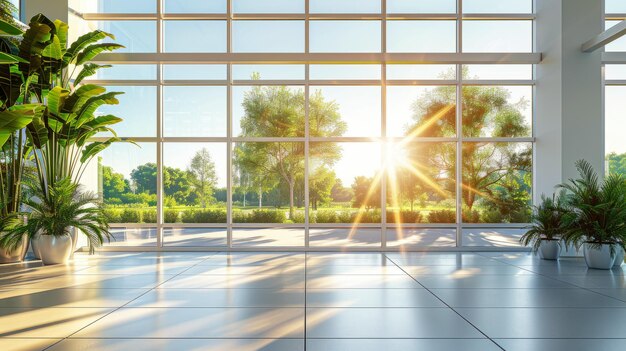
column 316, row 301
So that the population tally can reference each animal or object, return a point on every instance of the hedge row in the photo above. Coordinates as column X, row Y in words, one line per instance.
column 131, row 215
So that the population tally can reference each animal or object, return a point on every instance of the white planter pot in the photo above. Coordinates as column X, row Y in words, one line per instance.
column 16, row 255
column 599, row 257
column 74, row 235
column 619, row 256
column 549, row 249
column 53, row 249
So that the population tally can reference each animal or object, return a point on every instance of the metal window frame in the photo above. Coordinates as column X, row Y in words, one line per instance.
column 306, row 58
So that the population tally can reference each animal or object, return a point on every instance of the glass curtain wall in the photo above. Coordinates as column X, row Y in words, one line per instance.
column 255, row 152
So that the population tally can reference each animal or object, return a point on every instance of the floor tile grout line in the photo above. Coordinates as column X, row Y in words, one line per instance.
column 442, row 301
column 122, row 306
column 558, row 280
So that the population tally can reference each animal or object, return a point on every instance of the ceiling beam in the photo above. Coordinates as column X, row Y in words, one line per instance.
column 606, row 37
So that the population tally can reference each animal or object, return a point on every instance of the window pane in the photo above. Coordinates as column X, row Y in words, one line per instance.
column 268, row 36
column 494, row 72
column 615, row 124
column 494, row 237
column 614, row 6
column 268, row 182
column 345, row 6
column 344, row 183
column 423, row 6
column 615, row 72
column 504, row 36
column 355, row 111
column 421, row 237
column 125, row 175
column 497, row 6
column 268, row 237
column 435, row 36
column 194, row 182
column 497, row 111
column 421, row 72
column 194, row 36
column 113, row 6
column 421, row 111
column 268, row 111
column 348, row 72
column 617, row 45
column 126, row 72
column 271, row 72
column 497, row 179
column 137, row 108
column 268, row 6
column 194, row 237
column 421, row 186
column 136, row 36
column 194, row 72
column 195, row 6
column 344, row 36
column 194, row 111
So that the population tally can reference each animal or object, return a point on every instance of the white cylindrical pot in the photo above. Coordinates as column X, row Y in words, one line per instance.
column 15, row 255
column 549, row 249
column 619, row 256
column 53, row 249
column 599, row 257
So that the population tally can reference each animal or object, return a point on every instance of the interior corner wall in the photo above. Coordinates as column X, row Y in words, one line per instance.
column 569, row 93
column 53, row 9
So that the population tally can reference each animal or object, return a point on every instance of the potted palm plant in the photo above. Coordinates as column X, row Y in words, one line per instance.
column 54, row 213
column 598, row 211
column 549, row 222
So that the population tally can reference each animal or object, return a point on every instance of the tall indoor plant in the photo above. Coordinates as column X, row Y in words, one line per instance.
column 598, row 215
column 60, row 137
column 549, row 222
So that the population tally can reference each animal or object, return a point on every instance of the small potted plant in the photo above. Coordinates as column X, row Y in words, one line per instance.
column 598, row 210
column 54, row 213
column 549, row 222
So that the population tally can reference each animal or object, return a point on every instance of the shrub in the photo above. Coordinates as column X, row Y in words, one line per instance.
column 267, row 216
column 372, row 216
column 491, row 216
column 404, row 216
column 239, row 217
column 207, row 216
column 130, row 215
column 113, row 215
column 170, row 216
column 298, row 217
column 149, row 216
column 472, row 216
column 442, row 216
column 326, row 216
column 345, row 217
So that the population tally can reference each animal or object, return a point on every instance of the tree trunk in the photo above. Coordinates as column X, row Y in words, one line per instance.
column 291, row 191
column 260, row 198
column 244, row 199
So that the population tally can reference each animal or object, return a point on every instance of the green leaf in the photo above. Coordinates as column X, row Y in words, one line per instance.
column 6, row 58
column 37, row 132
column 95, row 148
column 7, row 28
column 56, row 99
column 89, row 69
column 62, row 30
column 87, row 111
column 53, row 50
column 93, row 50
column 80, row 96
column 16, row 118
column 83, row 41
column 103, row 121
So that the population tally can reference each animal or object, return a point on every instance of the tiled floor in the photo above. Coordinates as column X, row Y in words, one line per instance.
column 317, row 302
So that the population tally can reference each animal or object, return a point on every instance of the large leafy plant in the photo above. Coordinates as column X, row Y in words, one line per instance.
column 549, row 221
column 598, row 208
column 57, row 209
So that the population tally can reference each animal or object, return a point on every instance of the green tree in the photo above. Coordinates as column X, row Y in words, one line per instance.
column 202, row 176
column 340, row 193
column 144, row 178
column 617, row 163
column 366, row 193
column 114, row 186
column 321, row 183
column 279, row 112
column 487, row 111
